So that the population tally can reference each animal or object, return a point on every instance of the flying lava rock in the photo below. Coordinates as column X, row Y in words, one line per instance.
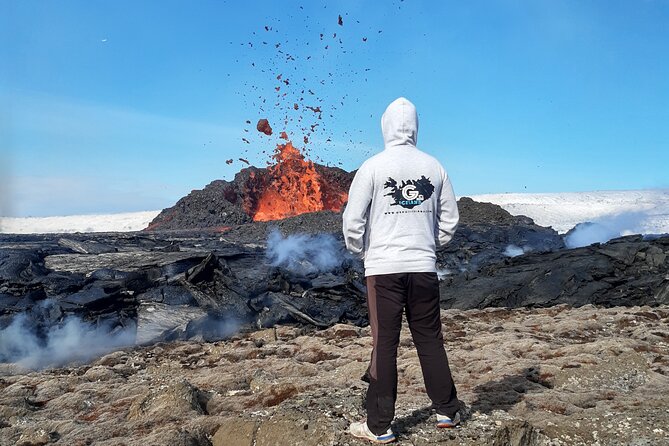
column 264, row 127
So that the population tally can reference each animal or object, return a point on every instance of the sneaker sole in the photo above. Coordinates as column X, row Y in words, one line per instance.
column 389, row 440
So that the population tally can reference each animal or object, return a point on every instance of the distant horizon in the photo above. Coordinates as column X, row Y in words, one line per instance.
column 613, row 212
column 458, row 196
column 125, row 106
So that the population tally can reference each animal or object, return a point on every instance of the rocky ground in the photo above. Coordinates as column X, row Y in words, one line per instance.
column 553, row 376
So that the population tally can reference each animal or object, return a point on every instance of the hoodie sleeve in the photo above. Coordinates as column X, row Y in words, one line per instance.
column 447, row 212
column 357, row 210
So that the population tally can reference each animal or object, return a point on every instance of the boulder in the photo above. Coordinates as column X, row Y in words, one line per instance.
column 235, row 432
column 172, row 400
column 159, row 321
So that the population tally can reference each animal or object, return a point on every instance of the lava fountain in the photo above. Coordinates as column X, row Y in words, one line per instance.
column 293, row 186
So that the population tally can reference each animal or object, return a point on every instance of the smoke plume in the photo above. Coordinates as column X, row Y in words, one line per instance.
column 604, row 229
column 304, row 253
column 72, row 340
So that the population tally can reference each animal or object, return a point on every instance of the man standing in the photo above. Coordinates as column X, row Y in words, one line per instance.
column 400, row 205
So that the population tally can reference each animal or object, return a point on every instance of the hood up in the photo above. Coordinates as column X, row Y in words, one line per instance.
column 399, row 123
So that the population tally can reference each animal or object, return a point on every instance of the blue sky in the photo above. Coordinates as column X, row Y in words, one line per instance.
column 125, row 106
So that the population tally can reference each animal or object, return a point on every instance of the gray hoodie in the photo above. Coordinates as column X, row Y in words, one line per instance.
column 401, row 203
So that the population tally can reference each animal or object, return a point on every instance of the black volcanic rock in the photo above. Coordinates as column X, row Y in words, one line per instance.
column 310, row 223
column 214, row 206
column 623, row 272
column 475, row 212
column 22, row 266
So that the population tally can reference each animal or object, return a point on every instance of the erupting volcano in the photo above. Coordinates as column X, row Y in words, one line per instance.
column 290, row 186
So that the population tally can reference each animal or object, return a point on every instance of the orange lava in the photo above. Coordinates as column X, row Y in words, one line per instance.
column 293, row 187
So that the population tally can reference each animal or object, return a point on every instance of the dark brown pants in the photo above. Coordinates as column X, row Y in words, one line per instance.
column 388, row 296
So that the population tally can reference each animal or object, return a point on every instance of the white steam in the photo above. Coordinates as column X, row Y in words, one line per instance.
column 71, row 341
column 442, row 273
column 604, row 229
column 514, row 251
column 305, row 253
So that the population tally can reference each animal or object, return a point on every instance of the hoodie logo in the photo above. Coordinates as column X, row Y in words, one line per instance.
column 410, row 193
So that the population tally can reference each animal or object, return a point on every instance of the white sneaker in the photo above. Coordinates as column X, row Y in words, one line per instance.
column 361, row 430
column 446, row 421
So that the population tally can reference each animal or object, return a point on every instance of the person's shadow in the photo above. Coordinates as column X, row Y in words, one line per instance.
column 501, row 394
column 508, row 391
column 402, row 425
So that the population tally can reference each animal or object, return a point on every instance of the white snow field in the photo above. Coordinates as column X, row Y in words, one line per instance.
column 123, row 222
column 624, row 212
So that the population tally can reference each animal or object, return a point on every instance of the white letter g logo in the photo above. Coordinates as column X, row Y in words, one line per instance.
column 409, row 192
